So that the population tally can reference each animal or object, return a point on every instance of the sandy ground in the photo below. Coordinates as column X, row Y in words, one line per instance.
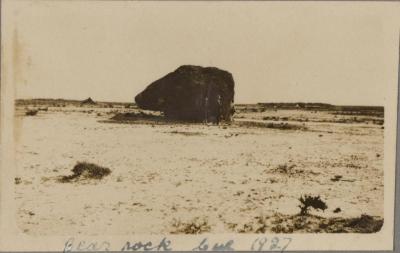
column 164, row 176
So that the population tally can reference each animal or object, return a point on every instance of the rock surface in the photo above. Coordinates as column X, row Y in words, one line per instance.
column 191, row 93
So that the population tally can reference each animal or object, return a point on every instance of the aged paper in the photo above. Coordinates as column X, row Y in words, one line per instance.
column 217, row 125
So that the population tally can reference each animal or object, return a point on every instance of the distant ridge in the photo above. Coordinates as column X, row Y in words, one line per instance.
column 57, row 101
column 320, row 106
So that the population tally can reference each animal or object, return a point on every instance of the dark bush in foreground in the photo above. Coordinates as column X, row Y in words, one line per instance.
column 316, row 224
column 83, row 170
column 365, row 224
column 281, row 223
column 310, row 201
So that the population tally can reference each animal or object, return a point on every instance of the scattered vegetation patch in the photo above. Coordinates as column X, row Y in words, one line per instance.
column 271, row 118
column 374, row 112
column 285, row 169
column 147, row 118
column 352, row 120
column 280, row 126
column 290, row 170
column 285, row 126
column 311, row 201
column 17, row 180
column 336, row 178
column 197, row 225
column 132, row 116
column 141, row 117
column 260, row 225
column 378, row 122
column 31, row 112
column 353, row 166
column 84, row 171
column 185, row 133
column 275, row 118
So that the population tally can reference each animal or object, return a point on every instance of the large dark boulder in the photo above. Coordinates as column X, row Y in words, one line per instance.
column 191, row 93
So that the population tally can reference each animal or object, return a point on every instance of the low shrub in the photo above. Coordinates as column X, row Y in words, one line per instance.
column 310, row 201
column 84, row 170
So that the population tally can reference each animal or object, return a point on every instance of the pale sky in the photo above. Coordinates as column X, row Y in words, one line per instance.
column 277, row 51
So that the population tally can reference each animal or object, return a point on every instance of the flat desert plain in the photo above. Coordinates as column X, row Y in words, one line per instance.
column 173, row 177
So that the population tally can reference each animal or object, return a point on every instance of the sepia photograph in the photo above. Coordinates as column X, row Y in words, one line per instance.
column 133, row 118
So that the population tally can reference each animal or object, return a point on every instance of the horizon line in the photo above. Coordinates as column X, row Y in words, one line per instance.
column 237, row 103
